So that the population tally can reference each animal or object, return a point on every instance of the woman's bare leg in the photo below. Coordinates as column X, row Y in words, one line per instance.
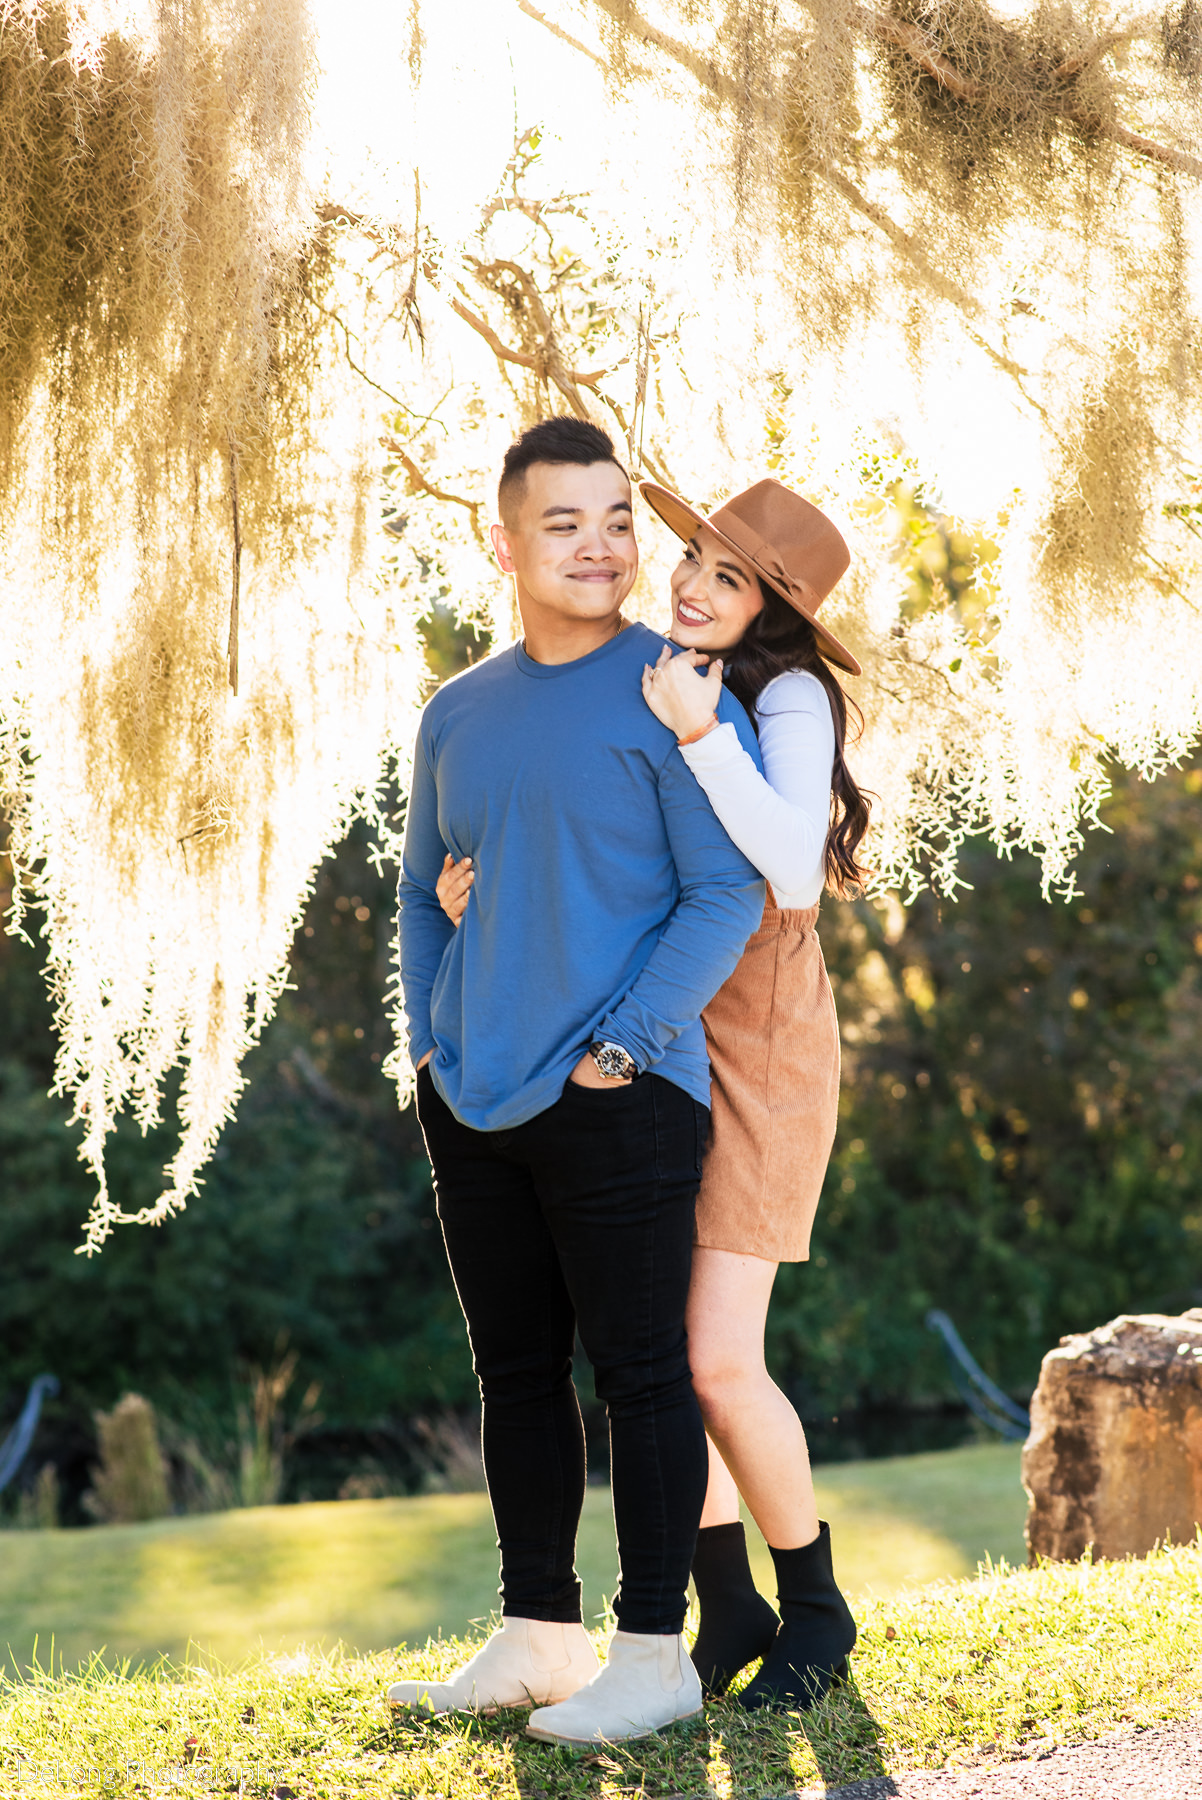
column 755, row 1430
column 721, row 1495
column 763, row 1445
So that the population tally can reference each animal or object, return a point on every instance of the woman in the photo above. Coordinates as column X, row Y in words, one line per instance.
column 748, row 586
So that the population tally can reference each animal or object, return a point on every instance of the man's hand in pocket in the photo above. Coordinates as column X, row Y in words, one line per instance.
column 587, row 1074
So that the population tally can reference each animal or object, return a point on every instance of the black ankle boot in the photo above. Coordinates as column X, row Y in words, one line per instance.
column 737, row 1624
column 817, row 1631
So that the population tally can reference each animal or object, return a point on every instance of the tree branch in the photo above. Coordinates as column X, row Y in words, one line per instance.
column 640, row 458
column 565, row 37
column 418, row 484
column 914, row 42
column 703, row 69
column 1142, row 146
column 921, row 48
column 547, row 362
column 500, row 350
column 1085, row 59
column 523, row 358
column 948, row 290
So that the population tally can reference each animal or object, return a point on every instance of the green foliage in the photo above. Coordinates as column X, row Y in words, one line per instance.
column 948, row 564
column 1021, row 1136
column 1020, row 1144
column 314, row 1232
column 448, row 645
column 37, row 1508
column 130, row 1483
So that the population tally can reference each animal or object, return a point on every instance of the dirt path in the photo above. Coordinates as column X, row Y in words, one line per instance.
column 1164, row 1763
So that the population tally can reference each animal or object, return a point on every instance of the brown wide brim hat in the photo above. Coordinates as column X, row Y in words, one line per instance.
column 790, row 544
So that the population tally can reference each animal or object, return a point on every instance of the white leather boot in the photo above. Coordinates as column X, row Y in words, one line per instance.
column 528, row 1662
column 647, row 1683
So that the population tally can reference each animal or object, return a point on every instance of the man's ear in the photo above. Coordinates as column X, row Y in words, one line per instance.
column 501, row 550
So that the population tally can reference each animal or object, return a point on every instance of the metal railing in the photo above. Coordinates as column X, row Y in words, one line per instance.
column 15, row 1447
column 983, row 1397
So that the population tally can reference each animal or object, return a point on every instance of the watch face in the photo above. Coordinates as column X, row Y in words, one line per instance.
column 612, row 1061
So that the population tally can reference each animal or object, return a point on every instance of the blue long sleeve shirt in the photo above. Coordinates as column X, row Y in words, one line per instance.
column 608, row 900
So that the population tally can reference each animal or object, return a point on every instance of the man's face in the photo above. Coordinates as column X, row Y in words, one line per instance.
column 571, row 546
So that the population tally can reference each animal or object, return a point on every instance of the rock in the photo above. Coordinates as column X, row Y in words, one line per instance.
column 1114, row 1459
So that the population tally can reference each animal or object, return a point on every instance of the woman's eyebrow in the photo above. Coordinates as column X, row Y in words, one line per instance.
column 734, row 568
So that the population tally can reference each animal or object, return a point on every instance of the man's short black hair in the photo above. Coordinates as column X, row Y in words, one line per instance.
column 561, row 439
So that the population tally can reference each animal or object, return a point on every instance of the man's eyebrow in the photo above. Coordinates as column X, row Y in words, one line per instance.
column 573, row 512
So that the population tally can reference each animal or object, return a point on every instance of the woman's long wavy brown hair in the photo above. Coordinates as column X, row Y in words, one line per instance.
column 779, row 639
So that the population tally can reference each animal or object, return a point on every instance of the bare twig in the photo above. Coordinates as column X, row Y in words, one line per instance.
column 560, row 206
column 418, row 484
column 529, row 209
column 336, row 319
column 409, row 301
column 532, row 307
column 565, row 37
column 640, row 458
column 546, row 362
column 488, row 275
column 330, row 213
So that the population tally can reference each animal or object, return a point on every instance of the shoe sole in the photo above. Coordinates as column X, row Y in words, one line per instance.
column 557, row 1737
column 795, row 1703
column 447, row 1712
column 478, row 1712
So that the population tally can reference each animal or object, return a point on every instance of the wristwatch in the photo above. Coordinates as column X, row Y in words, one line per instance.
column 613, row 1063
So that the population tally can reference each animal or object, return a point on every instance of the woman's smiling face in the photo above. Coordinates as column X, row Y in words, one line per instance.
column 715, row 594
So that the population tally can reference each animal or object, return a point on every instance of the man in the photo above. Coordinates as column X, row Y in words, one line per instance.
column 563, row 1086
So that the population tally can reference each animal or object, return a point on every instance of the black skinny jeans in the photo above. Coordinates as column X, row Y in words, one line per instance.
column 582, row 1218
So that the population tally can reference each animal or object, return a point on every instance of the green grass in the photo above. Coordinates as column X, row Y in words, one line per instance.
column 968, row 1672
column 374, row 1573
column 904, row 1520
column 364, row 1573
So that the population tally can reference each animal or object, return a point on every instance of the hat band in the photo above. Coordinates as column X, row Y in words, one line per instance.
column 762, row 553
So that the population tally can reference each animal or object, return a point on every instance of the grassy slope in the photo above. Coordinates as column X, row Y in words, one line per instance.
column 902, row 1520
column 373, row 1573
column 969, row 1672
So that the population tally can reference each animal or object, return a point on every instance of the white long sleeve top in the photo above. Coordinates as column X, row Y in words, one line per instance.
column 779, row 819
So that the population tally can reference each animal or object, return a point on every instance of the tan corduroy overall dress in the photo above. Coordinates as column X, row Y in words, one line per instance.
column 773, row 1041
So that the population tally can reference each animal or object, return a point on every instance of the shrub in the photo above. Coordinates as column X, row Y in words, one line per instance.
column 131, row 1481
